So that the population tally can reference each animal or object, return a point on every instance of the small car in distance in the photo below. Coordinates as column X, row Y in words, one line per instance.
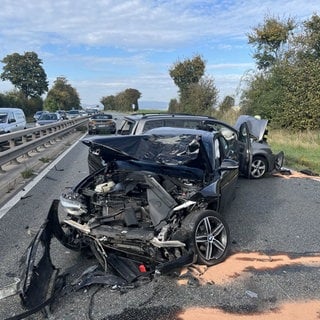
column 48, row 118
column 71, row 114
column 62, row 114
column 37, row 115
column 101, row 123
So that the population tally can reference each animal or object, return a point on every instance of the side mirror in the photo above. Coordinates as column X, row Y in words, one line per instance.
column 11, row 120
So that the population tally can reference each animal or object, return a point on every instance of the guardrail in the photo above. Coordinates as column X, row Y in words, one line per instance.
column 14, row 145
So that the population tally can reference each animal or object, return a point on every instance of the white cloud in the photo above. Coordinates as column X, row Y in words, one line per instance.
column 102, row 46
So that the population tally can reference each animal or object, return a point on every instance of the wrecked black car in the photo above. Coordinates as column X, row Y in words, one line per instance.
column 155, row 206
column 157, row 198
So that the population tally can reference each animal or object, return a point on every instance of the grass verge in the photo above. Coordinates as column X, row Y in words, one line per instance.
column 301, row 149
column 27, row 173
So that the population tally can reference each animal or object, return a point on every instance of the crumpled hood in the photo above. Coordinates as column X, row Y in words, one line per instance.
column 257, row 127
column 165, row 147
column 115, row 147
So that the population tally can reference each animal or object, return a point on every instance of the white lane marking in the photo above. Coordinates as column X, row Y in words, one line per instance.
column 13, row 201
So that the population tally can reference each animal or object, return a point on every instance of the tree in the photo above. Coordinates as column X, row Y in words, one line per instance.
column 200, row 97
column 309, row 41
column 62, row 96
column 109, row 102
column 288, row 92
column 197, row 93
column 187, row 72
column 15, row 99
column 25, row 73
column 301, row 91
column 263, row 94
column 268, row 39
column 174, row 106
column 132, row 96
column 126, row 100
column 226, row 104
column 122, row 103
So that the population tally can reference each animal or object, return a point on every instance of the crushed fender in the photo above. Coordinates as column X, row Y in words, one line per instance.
column 40, row 282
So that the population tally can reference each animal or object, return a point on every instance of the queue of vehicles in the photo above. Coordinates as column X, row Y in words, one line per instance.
column 263, row 160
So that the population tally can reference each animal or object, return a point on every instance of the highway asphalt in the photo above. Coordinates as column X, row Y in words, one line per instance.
column 273, row 270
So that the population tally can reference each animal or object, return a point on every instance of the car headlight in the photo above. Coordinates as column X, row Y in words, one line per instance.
column 71, row 205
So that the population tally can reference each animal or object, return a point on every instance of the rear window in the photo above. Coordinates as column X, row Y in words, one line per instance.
column 102, row 116
column 153, row 124
column 173, row 122
column 48, row 116
column 183, row 123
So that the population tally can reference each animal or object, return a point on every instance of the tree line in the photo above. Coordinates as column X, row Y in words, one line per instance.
column 284, row 87
column 29, row 79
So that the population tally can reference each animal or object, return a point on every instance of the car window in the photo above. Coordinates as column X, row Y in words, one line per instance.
column 126, row 127
column 101, row 117
column 224, row 148
column 176, row 123
column 11, row 117
column 229, row 135
column 3, row 118
column 151, row 124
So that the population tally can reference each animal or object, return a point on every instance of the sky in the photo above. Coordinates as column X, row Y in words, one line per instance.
column 104, row 47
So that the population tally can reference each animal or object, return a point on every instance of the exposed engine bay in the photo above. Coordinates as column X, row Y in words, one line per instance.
column 153, row 207
column 136, row 211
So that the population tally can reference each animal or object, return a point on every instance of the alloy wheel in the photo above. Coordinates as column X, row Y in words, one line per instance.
column 211, row 238
column 258, row 168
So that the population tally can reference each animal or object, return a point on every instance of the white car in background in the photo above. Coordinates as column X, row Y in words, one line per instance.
column 12, row 119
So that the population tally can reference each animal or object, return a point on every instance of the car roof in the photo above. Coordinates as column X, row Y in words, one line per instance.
column 136, row 117
column 10, row 109
column 173, row 131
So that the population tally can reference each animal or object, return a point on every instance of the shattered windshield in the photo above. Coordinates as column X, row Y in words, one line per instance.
column 172, row 149
column 164, row 148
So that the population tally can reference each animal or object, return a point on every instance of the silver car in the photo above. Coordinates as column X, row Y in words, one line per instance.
column 48, row 118
column 263, row 160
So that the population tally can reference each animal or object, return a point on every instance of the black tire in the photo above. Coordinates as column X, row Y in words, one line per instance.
column 278, row 162
column 209, row 235
column 259, row 167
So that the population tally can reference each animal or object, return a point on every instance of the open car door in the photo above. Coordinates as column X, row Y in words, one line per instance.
column 244, row 150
